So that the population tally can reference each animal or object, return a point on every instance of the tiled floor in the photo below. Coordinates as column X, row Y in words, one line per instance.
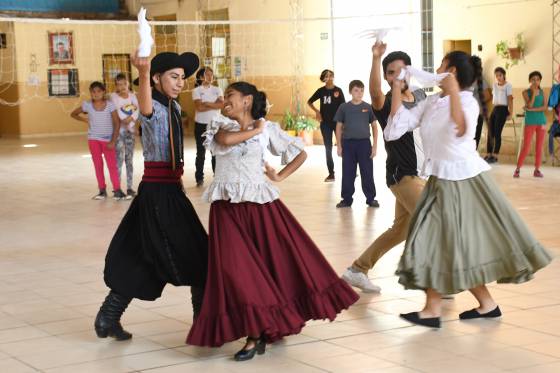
column 53, row 240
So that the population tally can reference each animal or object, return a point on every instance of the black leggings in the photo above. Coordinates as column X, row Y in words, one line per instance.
column 497, row 121
column 479, row 124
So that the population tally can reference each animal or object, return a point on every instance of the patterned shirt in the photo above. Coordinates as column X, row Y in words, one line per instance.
column 100, row 121
column 155, row 133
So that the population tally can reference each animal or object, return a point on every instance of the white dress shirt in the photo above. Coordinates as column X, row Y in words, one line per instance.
column 447, row 156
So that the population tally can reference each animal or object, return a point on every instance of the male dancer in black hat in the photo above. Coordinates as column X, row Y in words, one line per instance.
column 160, row 239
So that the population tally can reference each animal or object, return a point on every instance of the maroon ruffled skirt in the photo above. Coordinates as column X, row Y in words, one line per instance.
column 265, row 275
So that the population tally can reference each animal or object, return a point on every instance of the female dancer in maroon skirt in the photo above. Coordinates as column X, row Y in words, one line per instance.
column 266, row 277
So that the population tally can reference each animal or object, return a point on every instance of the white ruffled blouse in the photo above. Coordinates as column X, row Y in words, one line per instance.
column 239, row 175
column 445, row 155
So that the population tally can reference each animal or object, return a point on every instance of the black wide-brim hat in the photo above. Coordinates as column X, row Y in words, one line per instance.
column 165, row 61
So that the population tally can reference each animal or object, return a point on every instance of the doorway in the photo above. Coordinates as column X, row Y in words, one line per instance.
column 456, row 45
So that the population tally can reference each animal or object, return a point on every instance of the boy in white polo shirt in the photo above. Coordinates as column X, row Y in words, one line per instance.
column 208, row 101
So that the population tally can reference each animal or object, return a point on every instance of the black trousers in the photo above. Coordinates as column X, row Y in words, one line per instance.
column 327, row 130
column 199, row 129
column 495, row 127
column 478, row 133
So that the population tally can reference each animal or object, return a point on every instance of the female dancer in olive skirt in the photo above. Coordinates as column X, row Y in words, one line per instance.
column 464, row 233
column 266, row 277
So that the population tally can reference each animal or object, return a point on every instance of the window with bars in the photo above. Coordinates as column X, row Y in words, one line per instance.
column 426, row 10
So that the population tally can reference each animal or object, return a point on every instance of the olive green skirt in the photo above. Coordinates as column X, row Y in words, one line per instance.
column 464, row 234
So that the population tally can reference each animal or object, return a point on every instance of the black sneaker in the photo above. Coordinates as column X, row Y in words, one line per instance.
column 373, row 203
column 329, row 179
column 343, row 204
column 102, row 195
column 118, row 195
column 130, row 194
column 493, row 159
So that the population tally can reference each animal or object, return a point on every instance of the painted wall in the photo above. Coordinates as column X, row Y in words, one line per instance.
column 40, row 114
column 487, row 25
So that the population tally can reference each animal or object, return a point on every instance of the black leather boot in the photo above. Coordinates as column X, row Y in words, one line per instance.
column 197, row 296
column 108, row 320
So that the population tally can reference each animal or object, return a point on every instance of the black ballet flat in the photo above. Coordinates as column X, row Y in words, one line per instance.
column 414, row 317
column 244, row 355
column 474, row 314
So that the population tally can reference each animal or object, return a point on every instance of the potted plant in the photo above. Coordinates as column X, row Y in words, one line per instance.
column 512, row 55
column 289, row 122
column 304, row 128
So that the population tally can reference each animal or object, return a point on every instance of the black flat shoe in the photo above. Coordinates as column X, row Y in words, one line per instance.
column 414, row 317
column 474, row 314
column 258, row 348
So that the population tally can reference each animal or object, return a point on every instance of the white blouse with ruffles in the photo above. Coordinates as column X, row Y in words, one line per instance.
column 239, row 175
column 446, row 156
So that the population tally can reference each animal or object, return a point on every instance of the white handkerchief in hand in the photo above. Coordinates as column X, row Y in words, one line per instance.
column 377, row 33
column 145, row 32
column 424, row 78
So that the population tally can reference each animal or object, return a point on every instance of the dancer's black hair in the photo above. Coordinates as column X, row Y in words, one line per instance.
column 258, row 110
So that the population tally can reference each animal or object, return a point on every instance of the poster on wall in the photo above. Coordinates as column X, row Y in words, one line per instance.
column 63, row 83
column 61, row 48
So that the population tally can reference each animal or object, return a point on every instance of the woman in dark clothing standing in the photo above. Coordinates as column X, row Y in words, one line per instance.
column 331, row 98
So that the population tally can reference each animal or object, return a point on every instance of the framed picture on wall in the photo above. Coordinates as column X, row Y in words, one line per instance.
column 63, row 82
column 61, row 48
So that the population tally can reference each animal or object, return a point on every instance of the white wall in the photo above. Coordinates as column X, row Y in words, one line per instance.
column 353, row 54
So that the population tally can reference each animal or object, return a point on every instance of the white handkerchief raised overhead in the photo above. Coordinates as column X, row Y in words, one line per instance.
column 145, row 33
column 424, row 78
column 376, row 33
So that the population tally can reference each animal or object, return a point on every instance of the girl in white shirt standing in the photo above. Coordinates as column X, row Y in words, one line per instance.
column 127, row 108
column 208, row 101
column 502, row 99
column 464, row 233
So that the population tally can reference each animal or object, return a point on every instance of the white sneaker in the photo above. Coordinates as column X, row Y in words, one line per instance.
column 361, row 281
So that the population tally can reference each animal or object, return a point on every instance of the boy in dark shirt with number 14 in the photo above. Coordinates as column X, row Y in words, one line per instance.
column 353, row 121
column 330, row 98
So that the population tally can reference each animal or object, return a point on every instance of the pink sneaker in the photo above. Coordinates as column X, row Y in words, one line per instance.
column 516, row 173
column 537, row 173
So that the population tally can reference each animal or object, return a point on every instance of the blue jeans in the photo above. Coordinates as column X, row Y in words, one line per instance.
column 357, row 153
column 553, row 132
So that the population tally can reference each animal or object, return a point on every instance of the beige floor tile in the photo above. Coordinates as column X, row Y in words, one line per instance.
column 154, row 359
column 311, row 351
column 545, row 368
column 368, row 342
column 99, row 366
column 215, row 366
column 513, row 358
column 158, row 327
column 20, row 333
column 58, row 358
column 15, row 366
column 456, row 364
column 54, row 240
column 409, row 354
column 351, row 363
column 550, row 347
column 520, row 337
column 67, row 326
